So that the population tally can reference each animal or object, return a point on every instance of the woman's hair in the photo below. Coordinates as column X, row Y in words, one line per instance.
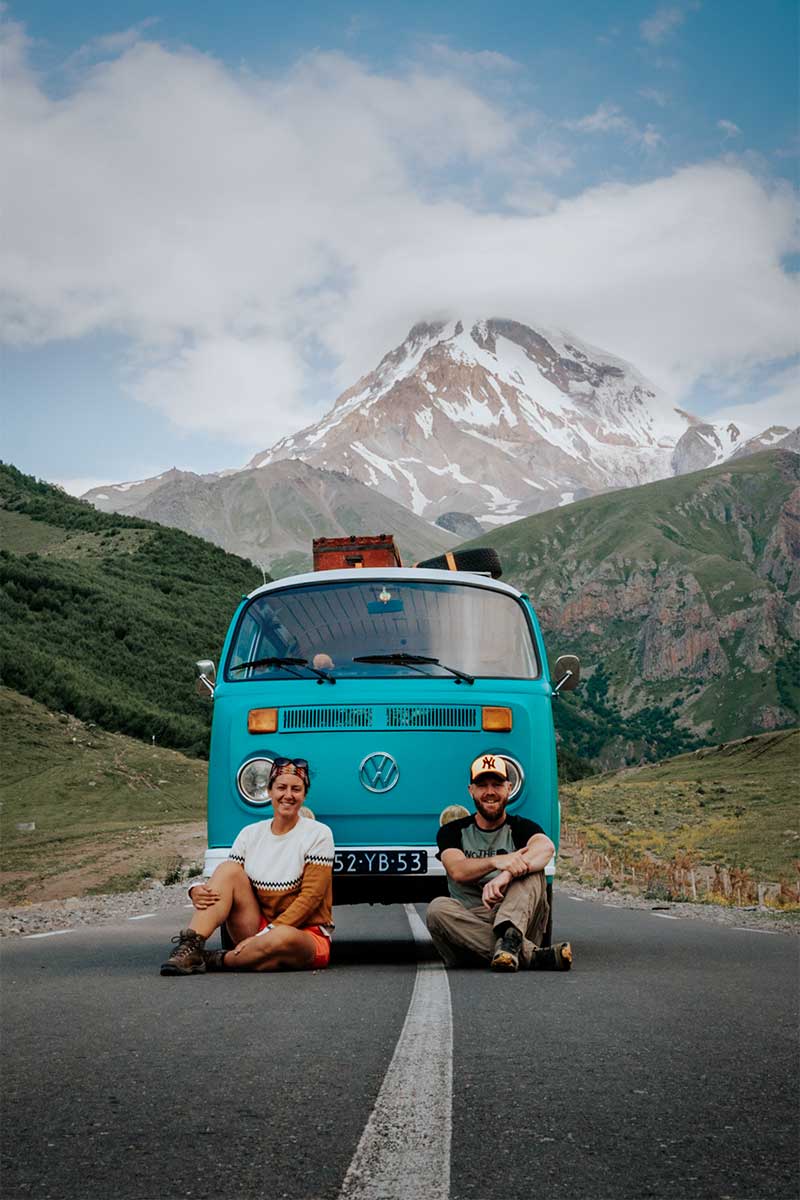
column 289, row 766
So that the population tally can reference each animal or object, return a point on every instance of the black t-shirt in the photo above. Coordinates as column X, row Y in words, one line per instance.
column 465, row 835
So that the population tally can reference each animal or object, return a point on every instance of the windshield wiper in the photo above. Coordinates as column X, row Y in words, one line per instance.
column 288, row 664
column 401, row 659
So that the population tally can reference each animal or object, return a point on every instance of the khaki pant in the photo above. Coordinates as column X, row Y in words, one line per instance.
column 466, row 936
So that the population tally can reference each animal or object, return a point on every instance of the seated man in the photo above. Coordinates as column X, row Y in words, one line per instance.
column 497, row 908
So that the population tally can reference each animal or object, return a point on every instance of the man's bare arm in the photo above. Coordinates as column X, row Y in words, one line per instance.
column 467, row 870
column 535, row 856
column 538, row 852
column 532, row 857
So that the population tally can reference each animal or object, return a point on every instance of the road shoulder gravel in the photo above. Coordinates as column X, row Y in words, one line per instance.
column 752, row 917
column 49, row 915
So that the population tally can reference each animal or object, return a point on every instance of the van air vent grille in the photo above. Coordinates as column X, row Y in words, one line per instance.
column 328, row 717
column 431, row 716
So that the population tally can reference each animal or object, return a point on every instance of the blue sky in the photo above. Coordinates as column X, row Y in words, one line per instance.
column 216, row 225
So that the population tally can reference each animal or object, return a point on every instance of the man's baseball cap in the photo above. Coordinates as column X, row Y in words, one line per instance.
column 488, row 764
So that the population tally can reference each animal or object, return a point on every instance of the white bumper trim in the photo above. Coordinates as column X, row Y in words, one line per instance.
column 220, row 854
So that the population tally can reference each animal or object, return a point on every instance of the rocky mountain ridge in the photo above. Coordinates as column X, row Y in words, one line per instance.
column 271, row 516
column 682, row 597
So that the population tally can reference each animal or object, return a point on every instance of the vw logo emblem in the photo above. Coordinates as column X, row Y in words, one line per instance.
column 378, row 773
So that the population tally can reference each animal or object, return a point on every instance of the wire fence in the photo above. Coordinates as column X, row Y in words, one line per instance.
column 683, row 877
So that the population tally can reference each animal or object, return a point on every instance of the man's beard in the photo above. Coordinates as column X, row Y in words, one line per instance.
column 494, row 813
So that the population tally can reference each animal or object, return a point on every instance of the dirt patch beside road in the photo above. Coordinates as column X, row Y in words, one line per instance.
column 108, row 862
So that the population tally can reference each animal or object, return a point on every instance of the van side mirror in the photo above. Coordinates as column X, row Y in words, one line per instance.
column 206, row 678
column 567, row 673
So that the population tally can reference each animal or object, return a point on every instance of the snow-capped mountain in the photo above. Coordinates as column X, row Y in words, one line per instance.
column 704, row 445
column 499, row 421
column 465, row 422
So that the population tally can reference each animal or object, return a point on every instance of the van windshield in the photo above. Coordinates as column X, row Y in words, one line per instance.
column 330, row 625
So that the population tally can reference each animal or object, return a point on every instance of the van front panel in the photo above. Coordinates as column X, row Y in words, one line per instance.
column 418, row 659
column 429, row 735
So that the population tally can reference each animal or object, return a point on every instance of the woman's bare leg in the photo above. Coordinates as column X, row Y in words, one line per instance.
column 237, row 904
column 282, row 948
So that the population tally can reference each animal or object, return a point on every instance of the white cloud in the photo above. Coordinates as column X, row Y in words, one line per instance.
column 609, row 118
column 242, row 230
column 778, row 403
column 682, row 276
column 662, row 23
column 657, row 96
column 466, row 60
column 110, row 44
column 728, row 128
column 650, row 137
column 228, row 383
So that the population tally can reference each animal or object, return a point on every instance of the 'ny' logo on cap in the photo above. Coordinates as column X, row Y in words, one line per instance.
column 489, row 763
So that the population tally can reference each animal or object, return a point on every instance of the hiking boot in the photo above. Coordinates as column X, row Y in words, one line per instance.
column 187, row 957
column 552, row 958
column 214, row 959
column 508, row 950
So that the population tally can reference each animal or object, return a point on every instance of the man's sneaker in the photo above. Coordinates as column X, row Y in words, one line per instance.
column 508, row 950
column 187, row 957
column 552, row 958
column 214, row 959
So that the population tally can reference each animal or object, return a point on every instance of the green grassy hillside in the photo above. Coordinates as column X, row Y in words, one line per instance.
column 103, row 616
column 98, row 802
column 680, row 597
column 729, row 813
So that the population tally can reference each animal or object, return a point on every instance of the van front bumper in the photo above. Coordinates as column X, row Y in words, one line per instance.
column 350, row 887
column 377, row 887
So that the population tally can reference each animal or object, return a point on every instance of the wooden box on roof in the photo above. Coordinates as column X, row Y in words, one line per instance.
column 358, row 550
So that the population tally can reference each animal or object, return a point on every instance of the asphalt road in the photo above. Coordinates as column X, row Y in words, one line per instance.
column 663, row 1066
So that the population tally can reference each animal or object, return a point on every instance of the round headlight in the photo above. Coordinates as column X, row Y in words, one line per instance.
column 252, row 780
column 516, row 775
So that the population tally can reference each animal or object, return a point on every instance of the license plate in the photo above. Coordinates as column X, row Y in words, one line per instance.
column 380, row 862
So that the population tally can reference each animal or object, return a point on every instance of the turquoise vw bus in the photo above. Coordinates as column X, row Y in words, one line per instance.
column 418, row 670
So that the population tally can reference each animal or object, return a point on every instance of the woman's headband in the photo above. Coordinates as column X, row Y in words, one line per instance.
column 288, row 766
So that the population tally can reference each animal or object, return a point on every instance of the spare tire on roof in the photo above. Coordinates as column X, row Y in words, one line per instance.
column 482, row 559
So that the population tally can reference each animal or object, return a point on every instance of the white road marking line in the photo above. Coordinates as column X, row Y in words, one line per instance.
column 750, row 929
column 405, row 1147
column 143, row 916
column 577, row 899
column 50, row 933
column 665, row 916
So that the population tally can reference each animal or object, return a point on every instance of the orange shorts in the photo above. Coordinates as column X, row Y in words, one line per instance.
column 322, row 945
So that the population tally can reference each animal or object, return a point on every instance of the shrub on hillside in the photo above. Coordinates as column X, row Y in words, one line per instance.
column 113, row 638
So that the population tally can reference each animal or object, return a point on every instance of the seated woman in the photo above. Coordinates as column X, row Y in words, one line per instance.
column 273, row 894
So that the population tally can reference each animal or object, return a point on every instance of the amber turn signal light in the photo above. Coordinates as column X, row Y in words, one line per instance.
column 262, row 720
column 497, row 719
